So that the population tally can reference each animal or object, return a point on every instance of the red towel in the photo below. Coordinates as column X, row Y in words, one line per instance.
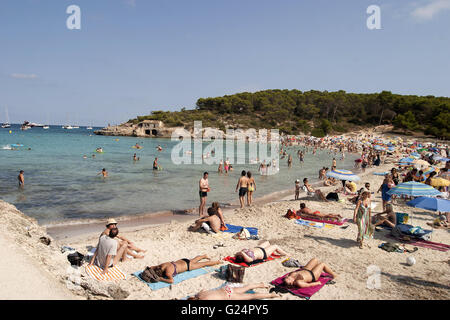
column 303, row 292
column 244, row 264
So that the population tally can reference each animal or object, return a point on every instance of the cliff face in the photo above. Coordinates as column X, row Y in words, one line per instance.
column 145, row 129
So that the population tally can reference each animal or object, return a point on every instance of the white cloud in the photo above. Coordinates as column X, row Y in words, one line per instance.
column 23, row 76
column 432, row 8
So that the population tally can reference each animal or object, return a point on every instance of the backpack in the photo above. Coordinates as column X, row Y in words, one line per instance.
column 332, row 196
column 149, row 275
column 75, row 259
column 235, row 273
column 291, row 214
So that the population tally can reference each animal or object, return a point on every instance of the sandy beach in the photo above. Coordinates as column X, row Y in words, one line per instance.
column 427, row 279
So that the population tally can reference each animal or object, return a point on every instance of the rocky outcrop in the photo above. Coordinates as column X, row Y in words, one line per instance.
column 144, row 129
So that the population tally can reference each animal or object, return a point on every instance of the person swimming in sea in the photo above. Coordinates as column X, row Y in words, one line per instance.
column 104, row 173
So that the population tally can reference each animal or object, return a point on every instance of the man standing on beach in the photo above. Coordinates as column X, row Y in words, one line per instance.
column 243, row 187
column 21, row 179
column 203, row 192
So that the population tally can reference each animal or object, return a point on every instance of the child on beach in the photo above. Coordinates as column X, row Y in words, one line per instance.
column 297, row 189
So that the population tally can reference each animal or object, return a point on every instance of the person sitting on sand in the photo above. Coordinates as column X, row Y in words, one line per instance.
column 262, row 252
column 330, row 182
column 351, row 187
column 107, row 253
column 316, row 214
column 167, row 270
column 218, row 212
column 235, row 293
column 309, row 275
column 390, row 218
column 110, row 224
column 311, row 191
column 213, row 221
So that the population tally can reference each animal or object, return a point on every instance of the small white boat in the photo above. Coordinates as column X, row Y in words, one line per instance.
column 89, row 128
column 68, row 127
column 6, row 125
column 76, row 127
column 46, row 127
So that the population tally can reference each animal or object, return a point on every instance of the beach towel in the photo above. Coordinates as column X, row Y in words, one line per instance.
column 114, row 273
column 251, row 264
column 177, row 279
column 425, row 244
column 302, row 292
column 314, row 224
column 236, row 229
column 338, row 223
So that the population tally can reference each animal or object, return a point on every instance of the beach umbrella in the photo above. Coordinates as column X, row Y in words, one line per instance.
column 406, row 160
column 433, row 204
column 441, row 159
column 379, row 148
column 381, row 173
column 421, row 163
column 440, row 182
column 343, row 175
column 414, row 189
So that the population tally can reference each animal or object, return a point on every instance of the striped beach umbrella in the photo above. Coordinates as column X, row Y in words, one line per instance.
column 406, row 160
column 440, row 182
column 381, row 173
column 343, row 175
column 414, row 189
column 433, row 204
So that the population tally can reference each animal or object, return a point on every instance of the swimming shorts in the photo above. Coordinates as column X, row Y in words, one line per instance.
column 242, row 191
column 203, row 194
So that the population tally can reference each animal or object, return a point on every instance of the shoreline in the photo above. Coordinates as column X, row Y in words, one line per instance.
column 72, row 229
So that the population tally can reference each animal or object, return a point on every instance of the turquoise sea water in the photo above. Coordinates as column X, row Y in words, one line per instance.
column 61, row 185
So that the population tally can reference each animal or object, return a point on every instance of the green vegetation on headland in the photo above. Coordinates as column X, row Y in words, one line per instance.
column 315, row 112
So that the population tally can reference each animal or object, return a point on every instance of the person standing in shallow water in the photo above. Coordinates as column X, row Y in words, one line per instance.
column 251, row 188
column 21, row 179
column 203, row 192
column 242, row 185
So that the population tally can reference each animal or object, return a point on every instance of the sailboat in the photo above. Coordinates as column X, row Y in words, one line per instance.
column 6, row 124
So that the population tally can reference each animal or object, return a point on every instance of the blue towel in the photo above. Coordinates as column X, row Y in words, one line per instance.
column 177, row 279
column 236, row 229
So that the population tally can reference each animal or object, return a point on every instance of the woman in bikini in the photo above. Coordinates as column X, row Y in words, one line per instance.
column 167, row 270
column 262, row 252
column 251, row 188
column 234, row 293
column 309, row 275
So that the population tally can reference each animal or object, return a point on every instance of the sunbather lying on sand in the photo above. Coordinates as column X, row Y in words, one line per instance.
column 309, row 275
column 213, row 221
column 262, row 252
column 306, row 212
column 167, row 270
column 234, row 293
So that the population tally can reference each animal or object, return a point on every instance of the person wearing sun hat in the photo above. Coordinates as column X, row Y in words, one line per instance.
column 111, row 224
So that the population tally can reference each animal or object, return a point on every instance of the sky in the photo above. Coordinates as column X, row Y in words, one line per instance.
column 131, row 57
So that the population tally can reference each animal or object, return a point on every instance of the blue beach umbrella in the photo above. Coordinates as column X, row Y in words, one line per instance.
column 343, row 175
column 414, row 189
column 433, row 204
column 406, row 161
column 379, row 148
column 381, row 173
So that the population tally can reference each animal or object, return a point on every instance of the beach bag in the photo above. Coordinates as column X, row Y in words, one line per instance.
column 333, row 196
column 244, row 234
column 402, row 218
column 235, row 273
column 149, row 275
column 290, row 214
column 75, row 259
